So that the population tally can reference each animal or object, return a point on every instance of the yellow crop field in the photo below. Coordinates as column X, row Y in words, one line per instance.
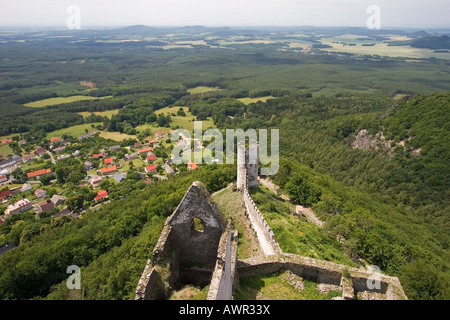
column 59, row 100
column 117, row 136
column 107, row 113
column 202, row 89
column 252, row 100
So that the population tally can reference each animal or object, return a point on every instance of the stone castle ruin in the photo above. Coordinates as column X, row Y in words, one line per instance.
column 198, row 247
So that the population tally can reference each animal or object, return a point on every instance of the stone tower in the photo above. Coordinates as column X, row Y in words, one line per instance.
column 247, row 164
column 241, row 172
column 252, row 163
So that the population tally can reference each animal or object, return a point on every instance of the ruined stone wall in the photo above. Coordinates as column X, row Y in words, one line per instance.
column 257, row 218
column 164, row 244
column 351, row 280
column 150, row 286
column 186, row 253
column 224, row 277
column 195, row 245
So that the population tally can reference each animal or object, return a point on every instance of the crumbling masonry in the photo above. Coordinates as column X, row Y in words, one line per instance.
column 186, row 255
column 189, row 254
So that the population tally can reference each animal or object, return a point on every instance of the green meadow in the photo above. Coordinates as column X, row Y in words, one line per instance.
column 5, row 151
column 73, row 131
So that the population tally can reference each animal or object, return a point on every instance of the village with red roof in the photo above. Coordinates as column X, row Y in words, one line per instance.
column 101, row 194
column 101, row 170
column 108, row 170
column 145, row 150
column 151, row 168
column 109, row 160
column 38, row 173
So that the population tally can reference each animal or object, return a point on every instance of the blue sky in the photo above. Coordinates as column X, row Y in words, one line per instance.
column 394, row 13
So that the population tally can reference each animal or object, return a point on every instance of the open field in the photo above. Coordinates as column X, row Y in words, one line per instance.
column 192, row 43
column 5, row 151
column 117, row 136
column 341, row 44
column 107, row 113
column 247, row 100
column 73, row 131
column 60, row 87
column 138, row 163
column 59, row 100
column 202, row 89
column 186, row 122
column 153, row 129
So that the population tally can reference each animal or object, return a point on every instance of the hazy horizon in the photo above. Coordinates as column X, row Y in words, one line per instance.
column 416, row 14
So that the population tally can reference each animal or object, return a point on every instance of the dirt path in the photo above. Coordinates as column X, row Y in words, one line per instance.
column 311, row 217
column 222, row 190
column 307, row 212
column 51, row 157
column 266, row 182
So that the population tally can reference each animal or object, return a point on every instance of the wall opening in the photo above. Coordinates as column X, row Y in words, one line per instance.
column 198, row 225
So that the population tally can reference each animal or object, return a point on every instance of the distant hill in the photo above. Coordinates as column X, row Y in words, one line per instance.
column 442, row 42
column 431, row 42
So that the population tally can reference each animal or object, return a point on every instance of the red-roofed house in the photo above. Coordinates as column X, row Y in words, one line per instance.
column 98, row 155
column 150, row 158
column 154, row 141
column 151, row 168
column 55, row 139
column 145, row 150
column 7, row 141
column 45, row 206
column 59, row 149
column 40, row 151
column 28, row 158
column 39, row 193
column 3, row 178
column 109, row 170
column 38, row 173
column 192, row 165
column 159, row 133
column 101, row 194
column 109, row 160
column 4, row 194
column 95, row 182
